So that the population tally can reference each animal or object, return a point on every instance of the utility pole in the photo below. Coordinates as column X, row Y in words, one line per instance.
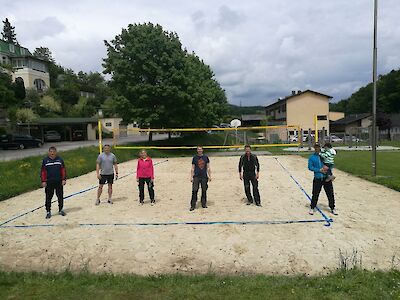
column 374, row 79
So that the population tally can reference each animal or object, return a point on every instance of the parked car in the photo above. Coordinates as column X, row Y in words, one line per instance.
column 78, row 135
column 52, row 136
column 333, row 139
column 18, row 141
column 353, row 138
column 224, row 125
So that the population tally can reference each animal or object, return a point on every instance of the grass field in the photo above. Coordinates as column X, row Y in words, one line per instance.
column 353, row 284
column 358, row 163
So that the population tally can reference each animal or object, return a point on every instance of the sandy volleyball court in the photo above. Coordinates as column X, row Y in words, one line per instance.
column 368, row 223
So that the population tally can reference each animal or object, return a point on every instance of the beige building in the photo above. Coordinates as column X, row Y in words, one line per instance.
column 335, row 115
column 301, row 109
column 31, row 70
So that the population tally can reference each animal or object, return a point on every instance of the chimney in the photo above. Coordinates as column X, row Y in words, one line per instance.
column 298, row 92
column 293, row 93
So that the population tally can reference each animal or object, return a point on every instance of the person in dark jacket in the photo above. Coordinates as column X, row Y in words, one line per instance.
column 200, row 175
column 249, row 170
column 53, row 175
column 316, row 165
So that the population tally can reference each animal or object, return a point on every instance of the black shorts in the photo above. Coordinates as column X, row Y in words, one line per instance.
column 106, row 179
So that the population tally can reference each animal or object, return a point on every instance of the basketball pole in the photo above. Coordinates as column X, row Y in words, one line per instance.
column 374, row 79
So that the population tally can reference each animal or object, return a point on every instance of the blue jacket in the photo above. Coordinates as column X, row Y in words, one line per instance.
column 315, row 164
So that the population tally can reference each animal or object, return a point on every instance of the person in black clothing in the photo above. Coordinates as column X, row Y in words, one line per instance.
column 200, row 175
column 53, row 175
column 250, row 173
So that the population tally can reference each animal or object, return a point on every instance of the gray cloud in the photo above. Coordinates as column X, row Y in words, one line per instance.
column 259, row 50
column 38, row 29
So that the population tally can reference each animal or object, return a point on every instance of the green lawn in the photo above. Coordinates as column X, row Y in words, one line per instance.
column 358, row 163
column 353, row 284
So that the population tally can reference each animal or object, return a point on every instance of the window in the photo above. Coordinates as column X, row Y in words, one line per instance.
column 23, row 52
column 12, row 48
column 39, row 84
column 108, row 124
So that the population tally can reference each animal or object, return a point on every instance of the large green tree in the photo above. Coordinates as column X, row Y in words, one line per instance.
column 159, row 84
column 8, row 33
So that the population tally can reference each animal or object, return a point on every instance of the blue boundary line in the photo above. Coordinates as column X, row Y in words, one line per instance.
column 328, row 220
column 69, row 196
column 168, row 223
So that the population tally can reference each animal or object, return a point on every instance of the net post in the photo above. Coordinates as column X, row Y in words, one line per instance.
column 100, row 136
column 316, row 128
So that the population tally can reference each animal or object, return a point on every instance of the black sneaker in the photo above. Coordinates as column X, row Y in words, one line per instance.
column 62, row 213
column 48, row 215
column 191, row 209
column 258, row 204
column 204, row 206
column 249, row 203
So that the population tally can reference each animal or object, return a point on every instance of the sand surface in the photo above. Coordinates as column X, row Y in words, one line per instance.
column 367, row 228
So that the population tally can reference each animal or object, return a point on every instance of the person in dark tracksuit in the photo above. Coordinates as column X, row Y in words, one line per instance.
column 316, row 165
column 53, row 175
column 250, row 174
column 200, row 175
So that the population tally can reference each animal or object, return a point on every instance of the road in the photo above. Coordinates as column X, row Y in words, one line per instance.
column 6, row 155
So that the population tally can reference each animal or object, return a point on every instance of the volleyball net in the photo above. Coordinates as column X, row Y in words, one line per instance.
column 209, row 138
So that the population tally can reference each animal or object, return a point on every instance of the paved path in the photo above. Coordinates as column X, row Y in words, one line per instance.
column 6, row 155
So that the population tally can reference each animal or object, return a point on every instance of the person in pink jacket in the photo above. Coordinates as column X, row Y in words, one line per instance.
column 145, row 174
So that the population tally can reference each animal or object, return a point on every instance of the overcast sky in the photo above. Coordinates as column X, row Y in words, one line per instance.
column 259, row 50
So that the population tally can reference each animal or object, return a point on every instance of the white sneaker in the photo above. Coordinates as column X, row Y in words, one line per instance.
column 312, row 211
column 334, row 212
column 97, row 202
column 110, row 201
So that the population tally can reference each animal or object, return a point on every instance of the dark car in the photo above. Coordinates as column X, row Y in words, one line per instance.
column 77, row 135
column 19, row 141
column 52, row 136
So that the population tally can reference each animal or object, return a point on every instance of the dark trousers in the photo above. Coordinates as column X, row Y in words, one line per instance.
column 49, row 190
column 329, row 171
column 247, row 179
column 197, row 182
column 150, row 187
column 328, row 187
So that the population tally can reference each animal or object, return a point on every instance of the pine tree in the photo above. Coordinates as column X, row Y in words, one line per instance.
column 8, row 33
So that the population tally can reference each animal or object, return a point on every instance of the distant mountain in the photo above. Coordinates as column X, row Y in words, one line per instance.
column 238, row 111
column 388, row 97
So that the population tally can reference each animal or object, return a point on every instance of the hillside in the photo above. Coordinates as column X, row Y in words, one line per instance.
column 388, row 96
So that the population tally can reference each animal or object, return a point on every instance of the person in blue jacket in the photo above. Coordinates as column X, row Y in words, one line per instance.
column 316, row 165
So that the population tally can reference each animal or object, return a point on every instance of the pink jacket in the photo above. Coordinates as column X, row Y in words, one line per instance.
column 145, row 168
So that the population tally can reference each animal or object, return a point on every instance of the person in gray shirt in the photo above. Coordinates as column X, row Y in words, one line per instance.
column 106, row 163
